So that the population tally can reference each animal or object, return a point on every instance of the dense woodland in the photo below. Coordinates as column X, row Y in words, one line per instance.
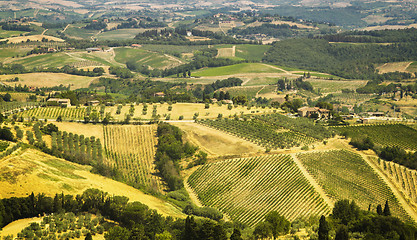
column 344, row 60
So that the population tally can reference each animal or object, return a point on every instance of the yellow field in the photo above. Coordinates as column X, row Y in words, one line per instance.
column 217, row 143
column 32, row 38
column 49, row 80
column 88, row 130
column 33, row 171
column 187, row 110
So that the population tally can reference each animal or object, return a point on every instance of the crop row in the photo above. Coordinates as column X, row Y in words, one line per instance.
column 404, row 178
column 131, row 149
column 247, row 189
column 384, row 134
column 54, row 112
column 345, row 175
column 260, row 132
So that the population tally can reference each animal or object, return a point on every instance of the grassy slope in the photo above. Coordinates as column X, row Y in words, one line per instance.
column 240, row 68
column 251, row 52
column 46, row 60
column 144, row 57
column 37, row 172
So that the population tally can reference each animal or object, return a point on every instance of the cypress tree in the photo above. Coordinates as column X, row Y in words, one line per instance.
column 379, row 209
column 323, row 229
column 387, row 211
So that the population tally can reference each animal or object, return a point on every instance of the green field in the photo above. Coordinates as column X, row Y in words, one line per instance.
column 385, row 134
column 248, row 188
column 332, row 86
column 251, row 52
column 143, row 57
column 7, row 34
column 172, row 48
column 12, row 52
column 262, row 81
column 345, row 175
column 319, row 75
column 119, row 34
column 76, row 32
column 412, row 67
column 46, row 60
column 249, row 92
column 240, row 68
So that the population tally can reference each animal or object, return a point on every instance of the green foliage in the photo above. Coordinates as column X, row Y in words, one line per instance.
column 344, row 60
column 346, row 211
column 323, row 229
column 262, row 230
column 170, row 150
column 6, row 134
column 279, row 225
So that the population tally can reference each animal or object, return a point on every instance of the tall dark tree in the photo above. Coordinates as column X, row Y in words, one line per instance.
column 387, row 211
column 379, row 209
column 190, row 231
column 323, row 229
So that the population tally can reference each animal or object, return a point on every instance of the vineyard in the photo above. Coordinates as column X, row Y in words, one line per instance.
column 247, row 189
column 385, row 134
column 404, row 178
column 345, row 175
column 71, row 113
column 131, row 149
column 17, row 106
column 272, row 130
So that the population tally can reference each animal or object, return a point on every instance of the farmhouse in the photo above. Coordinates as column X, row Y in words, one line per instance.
column 308, row 111
column 93, row 49
column 376, row 114
column 93, row 103
column 159, row 94
column 63, row 102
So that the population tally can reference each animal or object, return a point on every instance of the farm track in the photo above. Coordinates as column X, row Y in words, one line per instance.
column 397, row 193
column 312, row 181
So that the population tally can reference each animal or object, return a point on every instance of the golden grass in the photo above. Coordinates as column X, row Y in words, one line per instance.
column 88, row 130
column 217, row 143
column 38, row 172
column 32, row 38
column 49, row 80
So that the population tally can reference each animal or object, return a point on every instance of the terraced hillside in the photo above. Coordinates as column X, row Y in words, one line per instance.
column 385, row 134
column 404, row 178
column 248, row 188
column 345, row 175
column 131, row 149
